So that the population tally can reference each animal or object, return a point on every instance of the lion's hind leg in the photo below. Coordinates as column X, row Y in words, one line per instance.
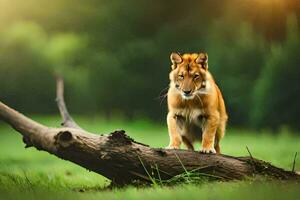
column 187, row 143
column 219, row 135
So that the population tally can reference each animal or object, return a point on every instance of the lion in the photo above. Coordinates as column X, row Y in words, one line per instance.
column 195, row 103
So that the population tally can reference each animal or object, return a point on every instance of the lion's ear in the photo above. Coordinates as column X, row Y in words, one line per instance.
column 202, row 59
column 175, row 59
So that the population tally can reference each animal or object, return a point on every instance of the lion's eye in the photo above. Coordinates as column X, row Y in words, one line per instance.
column 196, row 76
column 180, row 77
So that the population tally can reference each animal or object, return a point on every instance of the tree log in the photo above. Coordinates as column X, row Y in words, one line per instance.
column 123, row 160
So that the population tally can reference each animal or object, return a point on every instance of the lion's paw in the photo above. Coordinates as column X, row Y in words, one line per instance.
column 171, row 147
column 208, row 150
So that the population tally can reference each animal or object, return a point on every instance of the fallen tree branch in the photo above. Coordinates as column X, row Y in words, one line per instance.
column 60, row 100
column 122, row 160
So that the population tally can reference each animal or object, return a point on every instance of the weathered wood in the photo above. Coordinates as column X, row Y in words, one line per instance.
column 122, row 160
column 60, row 100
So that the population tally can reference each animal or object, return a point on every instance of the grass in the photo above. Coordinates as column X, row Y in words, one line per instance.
column 31, row 174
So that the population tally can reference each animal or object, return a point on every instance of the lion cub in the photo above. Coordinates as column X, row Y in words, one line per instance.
column 196, row 106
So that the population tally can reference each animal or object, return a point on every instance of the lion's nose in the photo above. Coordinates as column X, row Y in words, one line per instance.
column 187, row 92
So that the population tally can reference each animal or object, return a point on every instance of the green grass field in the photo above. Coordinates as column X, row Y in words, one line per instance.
column 32, row 174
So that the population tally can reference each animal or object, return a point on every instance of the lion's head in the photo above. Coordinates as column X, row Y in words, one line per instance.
column 188, row 73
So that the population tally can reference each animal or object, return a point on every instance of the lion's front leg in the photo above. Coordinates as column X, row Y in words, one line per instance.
column 209, row 133
column 175, row 138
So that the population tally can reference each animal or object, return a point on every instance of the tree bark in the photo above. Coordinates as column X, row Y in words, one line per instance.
column 123, row 160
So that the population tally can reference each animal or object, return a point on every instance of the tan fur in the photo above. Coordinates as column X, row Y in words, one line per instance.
column 199, row 115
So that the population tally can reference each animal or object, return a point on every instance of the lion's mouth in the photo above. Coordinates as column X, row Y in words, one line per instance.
column 187, row 96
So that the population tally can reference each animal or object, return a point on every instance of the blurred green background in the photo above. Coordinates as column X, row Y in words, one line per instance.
column 114, row 56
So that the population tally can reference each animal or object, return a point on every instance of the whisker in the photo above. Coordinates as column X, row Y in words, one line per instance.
column 161, row 96
column 203, row 92
column 163, row 91
column 198, row 96
column 164, row 97
column 199, row 100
